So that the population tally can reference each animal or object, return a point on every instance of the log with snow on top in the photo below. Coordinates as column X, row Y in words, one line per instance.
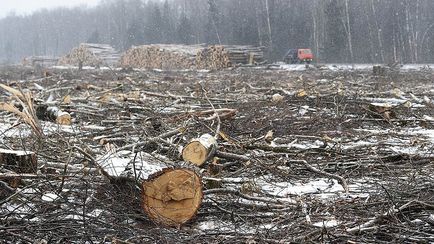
column 18, row 161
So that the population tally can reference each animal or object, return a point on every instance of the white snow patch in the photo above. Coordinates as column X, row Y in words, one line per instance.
column 214, row 225
column 293, row 67
column 387, row 102
column 95, row 213
column 284, row 189
column 326, row 223
column 8, row 130
column 49, row 197
column 115, row 165
column 120, row 163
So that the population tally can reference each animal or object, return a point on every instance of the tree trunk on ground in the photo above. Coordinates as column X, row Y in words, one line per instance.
column 53, row 114
column 199, row 150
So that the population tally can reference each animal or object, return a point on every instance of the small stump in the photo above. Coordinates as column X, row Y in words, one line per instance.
column 378, row 70
column 19, row 161
column 172, row 196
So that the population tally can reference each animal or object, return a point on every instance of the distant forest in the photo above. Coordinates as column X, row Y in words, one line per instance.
column 338, row 31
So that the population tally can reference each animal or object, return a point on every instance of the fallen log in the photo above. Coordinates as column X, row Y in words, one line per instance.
column 200, row 150
column 53, row 114
column 172, row 196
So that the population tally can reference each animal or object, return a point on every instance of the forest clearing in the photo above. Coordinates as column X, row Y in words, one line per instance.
column 297, row 154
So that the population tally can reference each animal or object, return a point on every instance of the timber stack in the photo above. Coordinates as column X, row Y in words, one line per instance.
column 161, row 56
column 165, row 56
column 91, row 54
column 224, row 56
column 41, row 61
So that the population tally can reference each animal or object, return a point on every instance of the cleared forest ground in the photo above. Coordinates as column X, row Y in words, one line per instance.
column 349, row 158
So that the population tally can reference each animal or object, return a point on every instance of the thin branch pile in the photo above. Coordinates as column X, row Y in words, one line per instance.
column 241, row 155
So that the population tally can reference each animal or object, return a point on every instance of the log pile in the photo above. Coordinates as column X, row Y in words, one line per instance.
column 91, row 54
column 224, row 56
column 164, row 56
column 161, row 56
column 42, row 61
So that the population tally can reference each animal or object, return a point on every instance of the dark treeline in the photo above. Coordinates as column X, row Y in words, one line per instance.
column 336, row 30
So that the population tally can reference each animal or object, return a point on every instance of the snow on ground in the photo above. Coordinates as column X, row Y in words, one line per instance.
column 121, row 163
column 64, row 67
column 340, row 67
column 49, row 197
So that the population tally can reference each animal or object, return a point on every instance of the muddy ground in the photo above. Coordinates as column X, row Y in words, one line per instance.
column 374, row 132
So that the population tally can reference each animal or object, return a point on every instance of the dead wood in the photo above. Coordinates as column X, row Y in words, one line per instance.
column 53, row 114
column 200, row 150
column 257, row 186
column 172, row 196
column 18, row 161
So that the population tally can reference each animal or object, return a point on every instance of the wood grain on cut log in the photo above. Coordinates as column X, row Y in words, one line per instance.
column 199, row 150
column 53, row 114
column 172, row 196
column 18, row 161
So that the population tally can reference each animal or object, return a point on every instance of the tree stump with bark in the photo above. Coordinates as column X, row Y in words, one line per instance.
column 172, row 196
column 19, row 161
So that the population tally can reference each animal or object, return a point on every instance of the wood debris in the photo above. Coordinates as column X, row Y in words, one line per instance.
column 211, row 157
column 172, row 196
column 170, row 56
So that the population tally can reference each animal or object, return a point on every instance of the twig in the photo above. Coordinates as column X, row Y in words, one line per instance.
column 317, row 171
column 217, row 130
column 252, row 198
column 370, row 224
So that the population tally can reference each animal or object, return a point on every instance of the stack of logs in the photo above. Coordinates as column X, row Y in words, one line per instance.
column 219, row 56
column 164, row 56
column 42, row 61
column 91, row 54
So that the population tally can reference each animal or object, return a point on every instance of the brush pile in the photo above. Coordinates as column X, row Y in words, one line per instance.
column 246, row 155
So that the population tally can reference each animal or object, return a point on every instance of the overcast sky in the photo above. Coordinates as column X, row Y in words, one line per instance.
column 28, row 6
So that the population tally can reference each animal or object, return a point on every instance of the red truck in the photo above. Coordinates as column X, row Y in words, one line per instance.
column 298, row 56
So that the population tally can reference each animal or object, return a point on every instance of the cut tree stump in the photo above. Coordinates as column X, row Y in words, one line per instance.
column 53, row 114
column 378, row 70
column 18, row 161
column 199, row 150
column 172, row 196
